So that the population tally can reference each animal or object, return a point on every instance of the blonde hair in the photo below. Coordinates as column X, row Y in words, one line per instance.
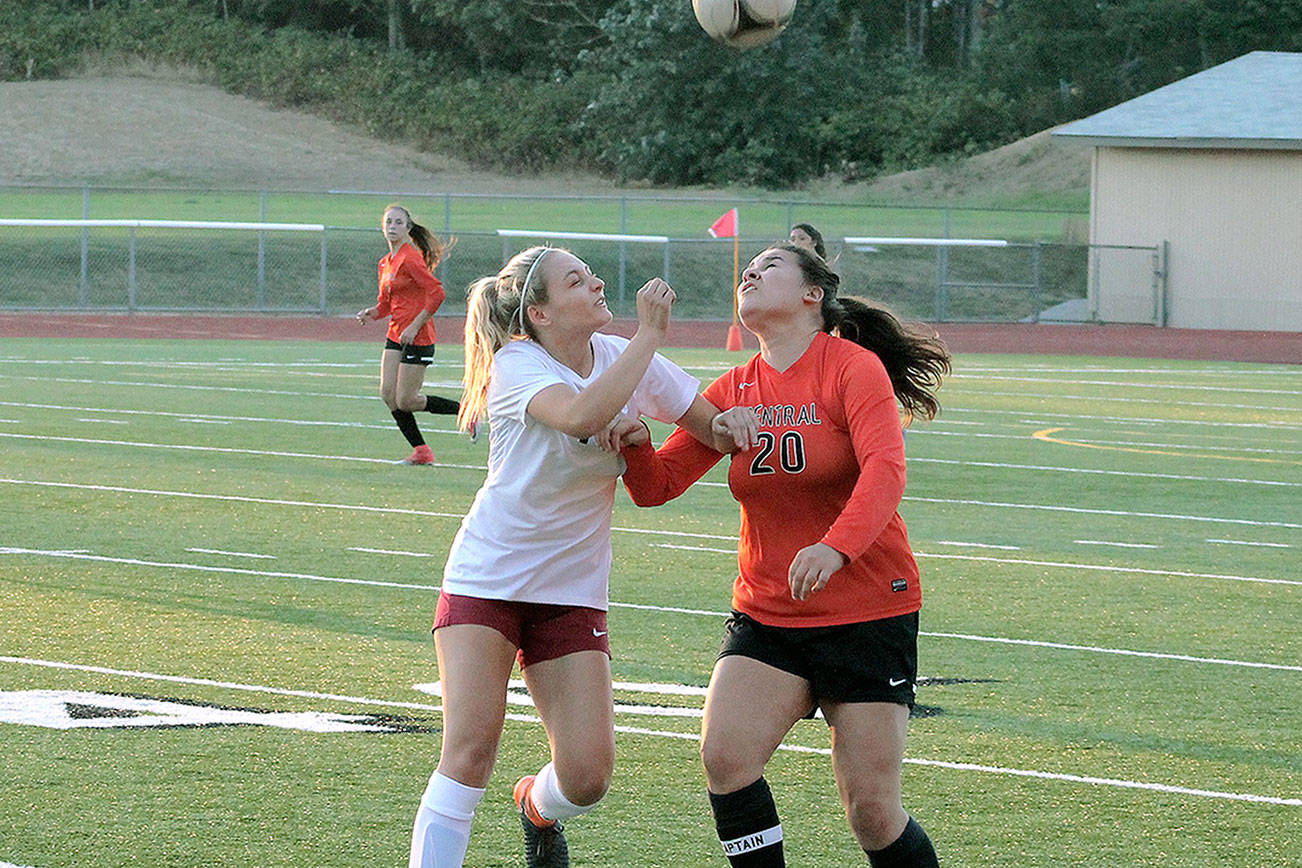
column 495, row 316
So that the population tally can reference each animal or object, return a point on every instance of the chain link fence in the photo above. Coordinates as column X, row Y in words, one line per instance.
column 331, row 269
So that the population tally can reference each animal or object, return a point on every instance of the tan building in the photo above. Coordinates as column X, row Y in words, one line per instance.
column 1207, row 172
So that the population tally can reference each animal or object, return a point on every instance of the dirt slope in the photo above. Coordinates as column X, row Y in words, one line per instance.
column 145, row 125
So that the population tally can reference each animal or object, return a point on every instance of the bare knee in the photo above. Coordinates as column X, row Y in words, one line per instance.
column 586, row 784
column 877, row 820
column 469, row 762
column 726, row 768
column 411, row 404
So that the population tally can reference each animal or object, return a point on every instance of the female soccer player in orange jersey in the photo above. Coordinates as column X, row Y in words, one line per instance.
column 825, row 609
column 409, row 295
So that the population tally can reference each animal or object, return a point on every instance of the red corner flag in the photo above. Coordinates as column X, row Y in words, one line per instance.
column 725, row 226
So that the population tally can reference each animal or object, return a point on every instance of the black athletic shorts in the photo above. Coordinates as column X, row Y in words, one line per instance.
column 412, row 354
column 870, row 661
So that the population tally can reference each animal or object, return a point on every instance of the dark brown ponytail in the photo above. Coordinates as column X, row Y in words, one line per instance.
column 915, row 358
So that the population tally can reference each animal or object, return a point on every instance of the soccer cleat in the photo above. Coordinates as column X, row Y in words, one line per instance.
column 544, row 840
column 473, row 430
column 422, row 455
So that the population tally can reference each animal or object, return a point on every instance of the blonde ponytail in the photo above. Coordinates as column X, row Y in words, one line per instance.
column 493, row 319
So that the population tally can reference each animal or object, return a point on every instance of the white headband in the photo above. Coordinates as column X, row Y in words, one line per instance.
column 524, row 289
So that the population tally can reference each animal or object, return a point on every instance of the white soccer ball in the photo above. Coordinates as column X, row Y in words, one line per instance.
column 743, row 23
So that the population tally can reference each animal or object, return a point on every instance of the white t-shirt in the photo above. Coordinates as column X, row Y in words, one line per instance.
column 539, row 529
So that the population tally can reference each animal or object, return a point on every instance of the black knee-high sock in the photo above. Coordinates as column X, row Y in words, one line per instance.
column 911, row 850
column 407, row 425
column 748, row 826
column 435, row 404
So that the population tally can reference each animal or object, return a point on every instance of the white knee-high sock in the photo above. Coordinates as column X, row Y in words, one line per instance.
column 442, row 830
column 550, row 801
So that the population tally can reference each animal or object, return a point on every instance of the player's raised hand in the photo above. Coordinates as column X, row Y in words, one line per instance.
column 654, row 301
column 736, row 428
column 623, row 431
column 812, row 568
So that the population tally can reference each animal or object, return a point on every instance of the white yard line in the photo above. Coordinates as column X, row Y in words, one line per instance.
column 685, row 736
column 75, row 555
column 1244, row 542
column 232, row 554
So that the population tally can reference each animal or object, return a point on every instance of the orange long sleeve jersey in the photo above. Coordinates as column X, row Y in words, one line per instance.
column 829, row 468
column 406, row 288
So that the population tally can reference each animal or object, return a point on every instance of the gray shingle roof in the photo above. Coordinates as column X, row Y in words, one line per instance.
column 1254, row 101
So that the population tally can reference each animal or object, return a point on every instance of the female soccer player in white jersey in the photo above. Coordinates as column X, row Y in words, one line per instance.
column 825, row 609
column 527, row 574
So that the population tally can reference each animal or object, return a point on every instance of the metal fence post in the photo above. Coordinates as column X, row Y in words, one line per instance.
column 1094, row 265
column 260, row 299
column 324, row 307
column 83, row 282
column 665, row 274
column 623, row 248
column 131, row 270
column 1037, row 282
column 1160, row 300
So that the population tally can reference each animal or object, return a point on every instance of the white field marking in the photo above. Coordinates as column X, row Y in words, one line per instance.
column 457, row 385
column 201, row 568
column 683, row 736
column 1118, row 444
column 1199, row 446
column 1007, row 466
column 1088, row 511
column 946, row 542
column 1116, row 399
column 104, row 421
column 232, row 554
column 1124, row 545
column 951, row 422
column 646, row 531
column 391, row 552
column 13, row 865
column 1112, row 569
column 199, row 420
column 1244, row 542
column 692, row 548
column 708, row 612
column 384, row 510
column 1131, row 420
column 222, row 364
column 1075, row 566
column 1123, row 652
column 189, row 387
column 517, row 694
column 1162, row 386
column 226, row 450
column 164, row 414
column 208, row 682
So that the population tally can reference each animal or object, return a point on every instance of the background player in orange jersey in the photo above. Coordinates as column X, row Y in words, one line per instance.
column 825, row 609
column 806, row 236
column 409, row 295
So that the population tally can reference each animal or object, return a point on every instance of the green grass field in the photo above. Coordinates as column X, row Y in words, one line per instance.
column 1042, row 218
column 1109, row 551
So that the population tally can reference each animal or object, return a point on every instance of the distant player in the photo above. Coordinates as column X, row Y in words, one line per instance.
column 527, row 576
column 806, row 236
column 825, row 609
column 409, row 295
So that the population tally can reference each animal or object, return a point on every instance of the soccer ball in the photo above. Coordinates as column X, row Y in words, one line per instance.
column 743, row 23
